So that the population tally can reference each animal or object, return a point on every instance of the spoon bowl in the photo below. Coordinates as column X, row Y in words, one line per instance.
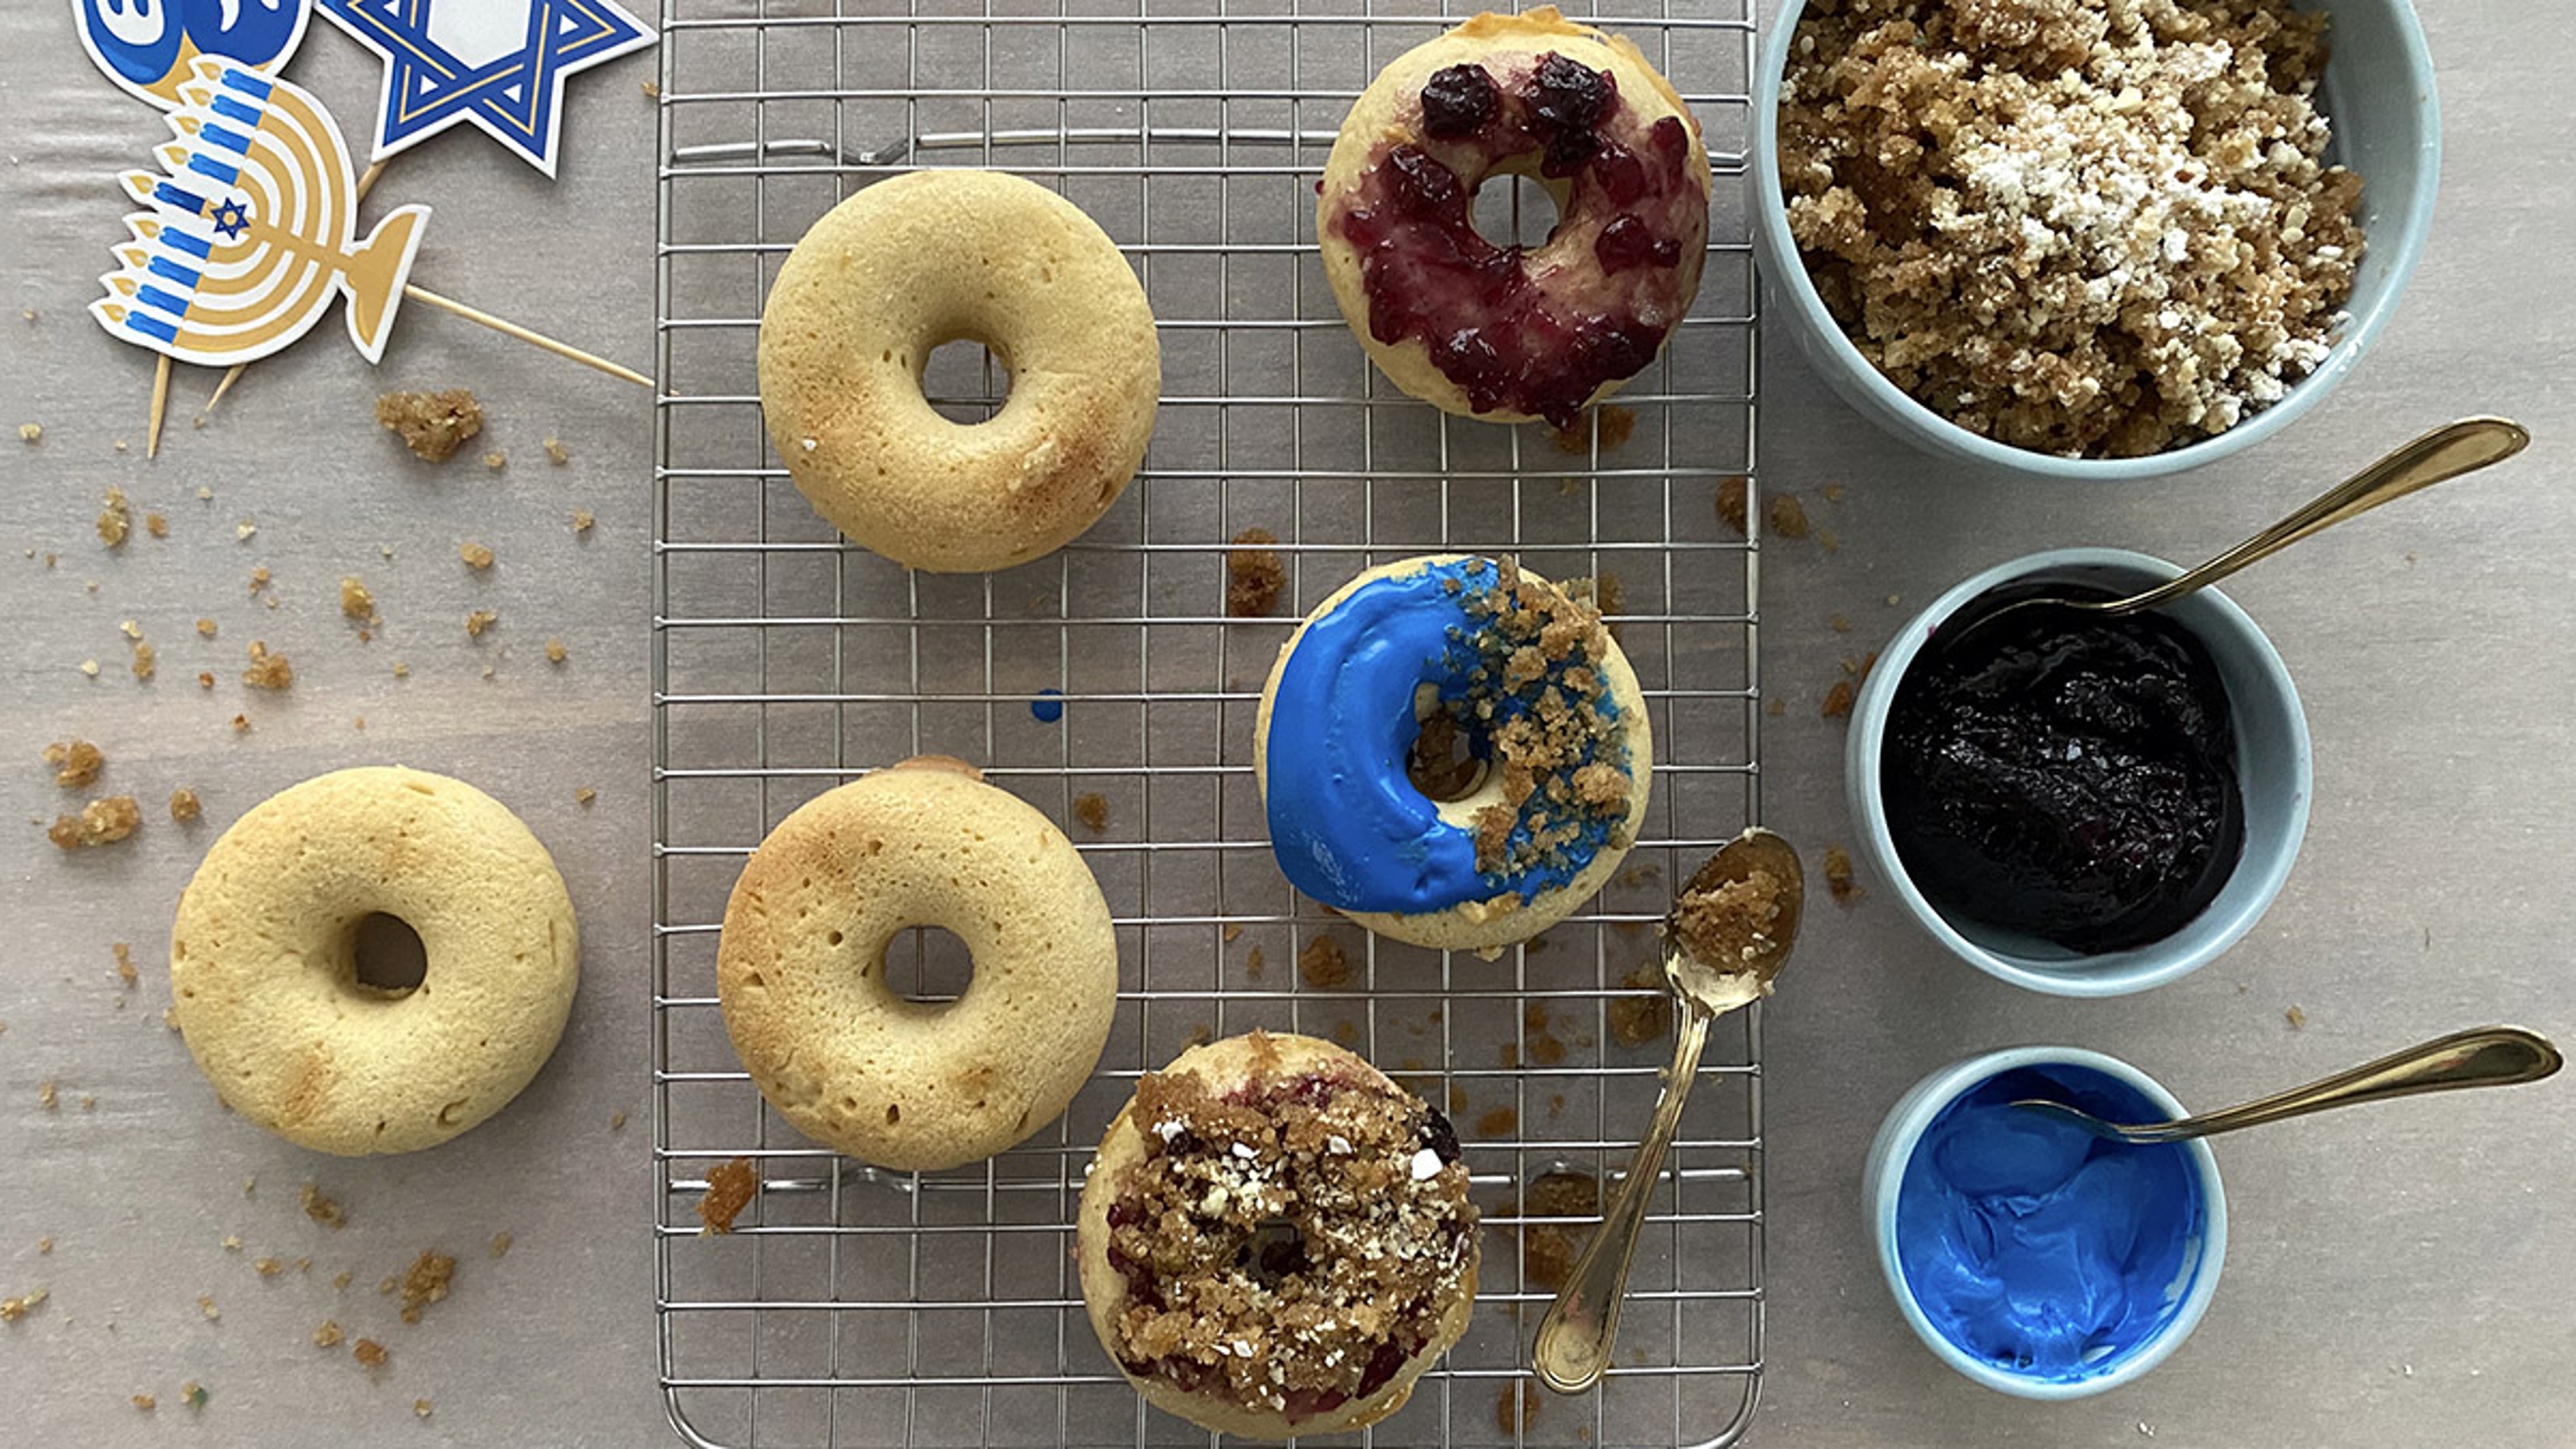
column 1731, row 927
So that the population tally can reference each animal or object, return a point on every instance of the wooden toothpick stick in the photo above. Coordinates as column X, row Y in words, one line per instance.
column 160, row 407
column 513, row 329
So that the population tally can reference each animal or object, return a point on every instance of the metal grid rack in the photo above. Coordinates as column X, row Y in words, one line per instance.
column 852, row 1307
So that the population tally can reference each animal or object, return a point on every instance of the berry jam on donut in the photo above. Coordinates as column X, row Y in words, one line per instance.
column 1525, row 331
column 1288, row 1245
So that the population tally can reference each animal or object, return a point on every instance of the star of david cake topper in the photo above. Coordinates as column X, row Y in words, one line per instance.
column 497, row 65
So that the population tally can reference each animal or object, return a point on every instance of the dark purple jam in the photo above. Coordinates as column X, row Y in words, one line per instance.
column 1458, row 102
column 1440, row 1137
column 1510, row 341
column 2065, row 776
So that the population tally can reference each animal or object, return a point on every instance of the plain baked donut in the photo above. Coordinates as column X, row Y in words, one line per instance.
column 1276, row 1240
column 1507, row 333
column 928, row 258
column 800, row 969
column 1520, row 674
column 263, row 969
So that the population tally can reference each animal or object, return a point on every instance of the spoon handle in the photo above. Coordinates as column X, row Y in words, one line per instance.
column 2487, row 1056
column 1574, row 1339
column 2446, row 452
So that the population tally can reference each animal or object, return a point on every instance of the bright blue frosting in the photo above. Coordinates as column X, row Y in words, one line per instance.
column 2037, row 1246
column 1348, row 827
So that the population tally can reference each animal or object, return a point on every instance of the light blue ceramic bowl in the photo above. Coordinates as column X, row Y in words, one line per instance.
column 2272, row 771
column 2378, row 94
column 1883, row 1178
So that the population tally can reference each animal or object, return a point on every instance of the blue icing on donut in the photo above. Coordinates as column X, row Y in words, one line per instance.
column 1349, row 828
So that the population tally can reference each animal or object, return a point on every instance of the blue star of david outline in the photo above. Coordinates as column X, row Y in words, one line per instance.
column 427, row 89
column 232, row 217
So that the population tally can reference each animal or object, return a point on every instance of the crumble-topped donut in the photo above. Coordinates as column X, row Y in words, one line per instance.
column 1512, row 333
column 1276, row 1239
column 800, row 968
column 1452, row 751
column 931, row 257
column 265, row 959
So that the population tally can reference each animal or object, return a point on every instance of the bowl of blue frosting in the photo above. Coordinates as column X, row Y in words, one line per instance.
column 2028, row 1254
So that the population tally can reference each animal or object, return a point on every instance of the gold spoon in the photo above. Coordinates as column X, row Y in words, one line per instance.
column 2444, row 453
column 1574, row 1340
column 2488, row 1056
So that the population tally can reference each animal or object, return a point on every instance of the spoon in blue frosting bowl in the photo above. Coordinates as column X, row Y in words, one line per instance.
column 1729, row 930
column 2487, row 1056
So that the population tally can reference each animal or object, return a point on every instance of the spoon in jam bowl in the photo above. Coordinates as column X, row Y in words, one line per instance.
column 2438, row 456
column 2488, row 1056
column 1727, row 934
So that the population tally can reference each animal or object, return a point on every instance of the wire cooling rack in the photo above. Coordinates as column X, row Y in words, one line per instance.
column 852, row 1307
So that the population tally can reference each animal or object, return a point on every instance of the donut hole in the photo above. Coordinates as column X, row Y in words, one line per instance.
column 965, row 381
column 1273, row 1253
column 386, row 958
column 929, row 965
column 1446, row 763
column 1515, row 211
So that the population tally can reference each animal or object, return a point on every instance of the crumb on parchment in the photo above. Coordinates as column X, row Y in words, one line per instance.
column 323, row 1209
column 432, row 424
column 1839, row 877
column 476, row 556
column 268, row 671
column 13, row 1309
column 371, row 1354
column 1254, row 575
column 328, row 1335
column 115, row 519
column 496, row 461
column 103, row 821
column 1093, row 812
column 184, row 805
column 76, row 762
column 356, row 600
column 555, row 651
column 583, row 519
column 556, row 452
column 1324, row 965
column 424, row 1282
column 480, row 620
column 1730, row 503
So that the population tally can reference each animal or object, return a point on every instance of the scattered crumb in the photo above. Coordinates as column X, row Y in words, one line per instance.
column 146, row 659
column 89, row 1104
column 1517, row 1407
column 1255, row 964
column 1841, row 624
column 268, row 671
column 370, row 1353
column 1730, row 503
column 89, row 667
column 269, row 1267
column 206, row 1306
column 401, row 670
column 555, row 651
column 1838, row 877
column 557, row 453
column 476, row 556
column 480, row 620
column 420, row 1407
column 1254, row 575
column 1323, row 965
column 1545, row 1049
column 651, row 88
column 1776, row 707
column 31, row 432
column 145, row 1402
column 115, row 518
column 44, row 1247
column 432, row 424
column 259, row 578
column 328, row 1335
column 157, row 524
column 76, row 762
column 2298, row 1019
column 184, row 805
column 1548, row 1250
column 101, row 822
column 1615, row 423
column 496, row 461
column 1833, row 492
column 245, row 530
column 1233, row 932
column 195, row 1394
column 340, row 1281
column 1838, row 700
column 729, row 1189
column 582, row 519
column 584, row 795
column 1092, row 811
column 13, row 1309
column 500, row 1245
column 425, row 1282
column 1788, row 516
column 616, row 1121
column 241, row 724
column 125, row 971
column 322, row 1209
column 355, row 600
column 1637, row 1020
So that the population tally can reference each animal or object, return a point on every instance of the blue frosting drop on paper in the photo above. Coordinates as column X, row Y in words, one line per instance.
column 2034, row 1245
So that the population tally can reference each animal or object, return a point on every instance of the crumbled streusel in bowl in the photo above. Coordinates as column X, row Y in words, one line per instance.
column 2088, row 229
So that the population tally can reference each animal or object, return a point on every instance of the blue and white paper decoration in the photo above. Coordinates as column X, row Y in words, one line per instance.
column 145, row 46
column 497, row 65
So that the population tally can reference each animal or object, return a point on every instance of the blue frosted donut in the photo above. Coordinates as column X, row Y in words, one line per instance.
column 1529, row 676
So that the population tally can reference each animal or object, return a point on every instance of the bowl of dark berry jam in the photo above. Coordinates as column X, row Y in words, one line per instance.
column 2082, row 805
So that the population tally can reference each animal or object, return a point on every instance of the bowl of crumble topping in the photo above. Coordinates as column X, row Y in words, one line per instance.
column 2090, row 239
